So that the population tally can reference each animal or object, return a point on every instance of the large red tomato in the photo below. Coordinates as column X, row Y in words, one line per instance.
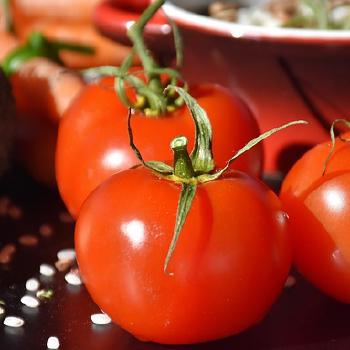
column 319, row 211
column 228, row 267
column 93, row 140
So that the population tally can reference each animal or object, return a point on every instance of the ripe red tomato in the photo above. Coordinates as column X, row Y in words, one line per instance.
column 229, row 265
column 319, row 211
column 93, row 141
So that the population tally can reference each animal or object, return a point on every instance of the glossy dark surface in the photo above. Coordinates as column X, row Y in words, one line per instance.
column 302, row 319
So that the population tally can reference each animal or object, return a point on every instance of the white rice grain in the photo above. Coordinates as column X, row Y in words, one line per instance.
column 100, row 319
column 53, row 343
column 32, row 285
column 47, row 270
column 73, row 278
column 30, row 301
column 13, row 321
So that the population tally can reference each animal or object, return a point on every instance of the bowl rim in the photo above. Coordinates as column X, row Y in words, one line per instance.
column 214, row 26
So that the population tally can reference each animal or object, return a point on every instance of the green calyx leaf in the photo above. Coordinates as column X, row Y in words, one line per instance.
column 201, row 156
column 211, row 177
column 332, row 135
column 187, row 195
column 159, row 168
column 38, row 45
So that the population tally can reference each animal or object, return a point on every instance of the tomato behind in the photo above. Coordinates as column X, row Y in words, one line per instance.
column 228, row 267
column 93, row 141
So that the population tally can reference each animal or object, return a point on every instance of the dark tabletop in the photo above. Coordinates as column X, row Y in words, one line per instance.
column 302, row 318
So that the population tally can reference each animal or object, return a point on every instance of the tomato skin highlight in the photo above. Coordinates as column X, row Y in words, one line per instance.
column 93, row 141
column 229, row 265
column 319, row 211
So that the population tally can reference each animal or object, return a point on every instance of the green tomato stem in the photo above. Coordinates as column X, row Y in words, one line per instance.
column 135, row 33
column 183, row 167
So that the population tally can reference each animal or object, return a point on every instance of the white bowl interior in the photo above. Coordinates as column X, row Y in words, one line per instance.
column 218, row 27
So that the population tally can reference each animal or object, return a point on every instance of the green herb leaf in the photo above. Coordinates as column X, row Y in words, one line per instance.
column 43, row 294
column 202, row 157
column 187, row 194
column 38, row 45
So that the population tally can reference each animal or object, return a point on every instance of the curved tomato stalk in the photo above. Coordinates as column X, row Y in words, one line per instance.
column 192, row 170
column 331, row 132
column 149, row 95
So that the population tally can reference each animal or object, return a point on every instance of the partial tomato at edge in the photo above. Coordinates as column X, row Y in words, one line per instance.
column 319, row 211
column 93, row 141
column 228, row 267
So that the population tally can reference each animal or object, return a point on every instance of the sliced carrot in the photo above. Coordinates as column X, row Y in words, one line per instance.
column 44, row 89
column 70, row 21
column 7, row 43
column 107, row 52
column 65, row 11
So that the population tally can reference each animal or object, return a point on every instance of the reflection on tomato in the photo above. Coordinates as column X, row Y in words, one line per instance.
column 93, row 141
column 228, row 267
column 319, row 210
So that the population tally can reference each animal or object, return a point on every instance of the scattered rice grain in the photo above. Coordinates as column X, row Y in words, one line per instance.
column 73, row 278
column 6, row 253
column 13, row 321
column 45, row 230
column 30, row 301
column 47, row 270
column 15, row 212
column 100, row 319
column 63, row 265
column 66, row 254
column 28, row 240
column 32, row 285
column 53, row 343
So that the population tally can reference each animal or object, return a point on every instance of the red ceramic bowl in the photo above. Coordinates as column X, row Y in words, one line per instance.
column 114, row 17
column 282, row 74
